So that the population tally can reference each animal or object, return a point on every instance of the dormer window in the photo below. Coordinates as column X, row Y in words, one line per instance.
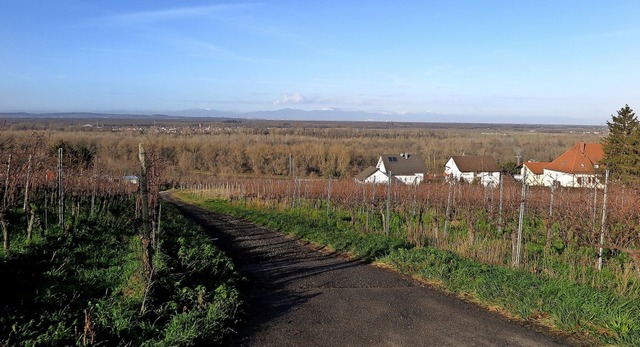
column 393, row 159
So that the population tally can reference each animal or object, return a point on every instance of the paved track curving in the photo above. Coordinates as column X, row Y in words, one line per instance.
column 299, row 296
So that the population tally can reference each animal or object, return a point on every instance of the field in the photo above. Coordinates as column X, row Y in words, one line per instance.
column 194, row 148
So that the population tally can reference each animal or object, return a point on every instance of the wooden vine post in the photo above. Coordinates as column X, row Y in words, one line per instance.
column 146, row 225
column 523, row 199
column 386, row 225
column 329, row 196
column 447, row 213
column 603, row 222
column 60, row 192
column 25, row 204
column 4, row 210
column 501, row 203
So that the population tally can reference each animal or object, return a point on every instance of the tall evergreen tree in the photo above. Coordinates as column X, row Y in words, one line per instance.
column 621, row 152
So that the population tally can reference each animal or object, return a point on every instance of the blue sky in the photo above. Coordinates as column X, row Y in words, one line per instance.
column 559, row 61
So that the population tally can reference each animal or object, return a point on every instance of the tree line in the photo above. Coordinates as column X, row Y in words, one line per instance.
column 301, row 151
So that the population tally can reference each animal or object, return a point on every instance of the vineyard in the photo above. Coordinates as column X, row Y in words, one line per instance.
column 91, row 258
column 561, row 229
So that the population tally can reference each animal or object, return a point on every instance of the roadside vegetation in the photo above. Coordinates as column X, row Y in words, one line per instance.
column 89, row 287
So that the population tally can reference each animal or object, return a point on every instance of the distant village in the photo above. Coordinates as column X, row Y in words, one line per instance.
column 182, row 130
column 578, row 166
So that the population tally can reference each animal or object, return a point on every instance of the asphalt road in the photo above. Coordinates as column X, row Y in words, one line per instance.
column 299, row 296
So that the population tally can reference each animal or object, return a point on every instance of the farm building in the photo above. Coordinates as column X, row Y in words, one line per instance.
column 406, row 168
column 577, row 167
column 472, row 169
column 534, row 172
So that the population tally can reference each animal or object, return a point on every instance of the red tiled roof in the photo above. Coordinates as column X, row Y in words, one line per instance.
column 580, row 158
column 537, row 167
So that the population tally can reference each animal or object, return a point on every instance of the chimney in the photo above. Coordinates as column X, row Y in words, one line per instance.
column 583, row 147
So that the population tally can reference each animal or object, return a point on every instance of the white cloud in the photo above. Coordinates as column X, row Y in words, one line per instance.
column 18, row 75
column 202, row 48
column 324, row 101
column 295, row 98
column 176, row 13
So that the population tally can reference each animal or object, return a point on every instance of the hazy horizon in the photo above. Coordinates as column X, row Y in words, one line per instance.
column 291, row 114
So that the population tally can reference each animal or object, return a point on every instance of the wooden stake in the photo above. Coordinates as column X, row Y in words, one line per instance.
column 146, row 230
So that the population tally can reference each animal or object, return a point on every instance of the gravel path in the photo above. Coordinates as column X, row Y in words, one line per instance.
column 299, row 296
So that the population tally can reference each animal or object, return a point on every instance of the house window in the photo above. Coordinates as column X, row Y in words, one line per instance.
column 393, row 159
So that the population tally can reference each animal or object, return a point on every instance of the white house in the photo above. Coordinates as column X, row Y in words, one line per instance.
column 372, row 175
column 534, row 172
column 406, row 168
column 577, row 167
column 472, row 169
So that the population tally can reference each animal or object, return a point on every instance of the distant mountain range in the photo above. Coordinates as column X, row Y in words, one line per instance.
column 284, row 114
column 302, row 115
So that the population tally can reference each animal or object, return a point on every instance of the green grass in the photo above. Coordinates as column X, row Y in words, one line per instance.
column 313, row 226
column 598, row 316
column 571, row 307
column 68, row 290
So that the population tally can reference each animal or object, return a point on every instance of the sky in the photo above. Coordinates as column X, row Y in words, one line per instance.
column 555, row 61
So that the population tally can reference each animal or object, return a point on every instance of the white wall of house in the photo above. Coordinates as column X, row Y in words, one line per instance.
column 489, row 179
column 451, row 171
column 377, row 177
column 380, row 165
column 532, row 179
column 413, row 179
column 564, row 179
